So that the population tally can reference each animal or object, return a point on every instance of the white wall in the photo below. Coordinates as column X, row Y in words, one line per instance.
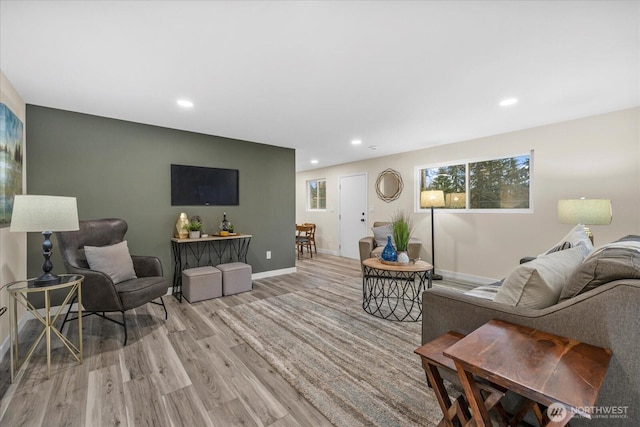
column 594, row 157
column 13, row 246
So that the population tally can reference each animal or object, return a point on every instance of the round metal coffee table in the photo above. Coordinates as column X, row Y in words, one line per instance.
column 394, row 291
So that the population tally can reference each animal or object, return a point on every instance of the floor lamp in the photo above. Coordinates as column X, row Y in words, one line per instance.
column 432, row 199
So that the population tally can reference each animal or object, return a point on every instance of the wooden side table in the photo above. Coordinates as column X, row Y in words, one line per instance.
column 545, row 368
column 390, row 291
column 18, row 293
column 433, row 360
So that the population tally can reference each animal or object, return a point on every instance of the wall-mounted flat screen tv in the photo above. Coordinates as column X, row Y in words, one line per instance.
column 202, row 186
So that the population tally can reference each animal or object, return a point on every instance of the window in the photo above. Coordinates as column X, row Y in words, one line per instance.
column 499, row 184
column 495, row 184
column 317, row 194
column 449, row 179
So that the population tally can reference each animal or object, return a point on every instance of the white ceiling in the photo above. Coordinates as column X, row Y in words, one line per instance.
column 315, row 75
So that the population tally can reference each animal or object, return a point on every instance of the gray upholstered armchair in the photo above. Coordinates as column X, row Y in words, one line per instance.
column 99, row 292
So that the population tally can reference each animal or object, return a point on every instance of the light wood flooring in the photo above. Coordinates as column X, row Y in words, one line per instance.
column 190, row 370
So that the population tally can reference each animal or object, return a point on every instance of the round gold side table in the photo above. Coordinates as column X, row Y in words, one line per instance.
column 18, row 293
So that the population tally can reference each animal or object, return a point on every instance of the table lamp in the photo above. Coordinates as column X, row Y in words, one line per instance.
column 586, row 212
column 432, row 199
column 44, row 214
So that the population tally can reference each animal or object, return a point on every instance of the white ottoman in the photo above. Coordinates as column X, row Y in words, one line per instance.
column 201, row 283
column 236, row 277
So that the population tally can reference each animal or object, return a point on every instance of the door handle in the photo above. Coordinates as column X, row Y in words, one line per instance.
column 362, row 220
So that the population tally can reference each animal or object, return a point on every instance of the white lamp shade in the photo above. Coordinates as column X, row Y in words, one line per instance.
column 585, row 211
column 456, row 200
column 429, row 198
column 44, row 213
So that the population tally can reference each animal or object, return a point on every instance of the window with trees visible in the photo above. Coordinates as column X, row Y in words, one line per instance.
column 495, row 184
column 317, row 194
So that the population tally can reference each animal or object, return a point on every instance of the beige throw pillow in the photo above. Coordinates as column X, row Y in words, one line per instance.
column 538, row 283
column 113, row 260
column 577, row 236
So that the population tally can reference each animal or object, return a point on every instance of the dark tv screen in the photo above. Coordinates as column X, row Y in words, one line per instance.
column 201, row 186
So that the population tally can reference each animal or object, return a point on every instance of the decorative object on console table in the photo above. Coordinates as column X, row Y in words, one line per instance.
column 183, row 220
column 432, row 199
column 586, row 212
column 389, row 252
column 225, row 224
column 45, row 214
column 194, row 228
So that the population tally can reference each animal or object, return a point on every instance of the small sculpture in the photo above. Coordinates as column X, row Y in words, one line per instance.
column 183, row 220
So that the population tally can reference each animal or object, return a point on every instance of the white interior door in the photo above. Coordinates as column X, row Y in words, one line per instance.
column 353, row 214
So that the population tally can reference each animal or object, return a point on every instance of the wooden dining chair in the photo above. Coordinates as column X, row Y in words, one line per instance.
column 312, row 235
column 302, row 239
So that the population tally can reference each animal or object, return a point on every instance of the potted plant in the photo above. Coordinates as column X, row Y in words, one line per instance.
column 194, row 228
column 402, row 229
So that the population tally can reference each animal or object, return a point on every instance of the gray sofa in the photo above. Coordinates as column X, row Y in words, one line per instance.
column 607, row 316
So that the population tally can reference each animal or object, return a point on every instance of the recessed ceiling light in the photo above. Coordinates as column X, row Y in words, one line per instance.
column 184, row 103
column 356, row 142
column 314, row 162
column 507, row 102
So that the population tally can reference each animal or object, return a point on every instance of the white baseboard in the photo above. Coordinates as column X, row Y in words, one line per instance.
column 272, row 273
column 328, row 252
column 479, row 280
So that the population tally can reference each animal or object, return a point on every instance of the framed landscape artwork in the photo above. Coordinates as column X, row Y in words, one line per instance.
column 11, row 153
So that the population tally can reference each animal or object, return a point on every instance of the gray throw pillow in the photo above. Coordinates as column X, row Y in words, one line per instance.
column 380, row 234
column 614, row 261
column 115, row 261
column 538, row 283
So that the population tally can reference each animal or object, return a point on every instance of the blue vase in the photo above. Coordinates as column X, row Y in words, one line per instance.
column 389, row 252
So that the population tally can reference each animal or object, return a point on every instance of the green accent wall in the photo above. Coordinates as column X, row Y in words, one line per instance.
column 120, row 169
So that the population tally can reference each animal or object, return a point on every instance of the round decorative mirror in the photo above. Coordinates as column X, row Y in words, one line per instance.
column 389, row 185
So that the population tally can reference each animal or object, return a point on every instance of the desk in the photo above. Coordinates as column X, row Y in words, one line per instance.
column 18, row 293
column 390, row 291
column 545, row 368
column 212, row 250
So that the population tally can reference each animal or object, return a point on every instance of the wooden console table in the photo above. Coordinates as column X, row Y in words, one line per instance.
column 212, row 250
column 548, row 369
column 390, row 291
